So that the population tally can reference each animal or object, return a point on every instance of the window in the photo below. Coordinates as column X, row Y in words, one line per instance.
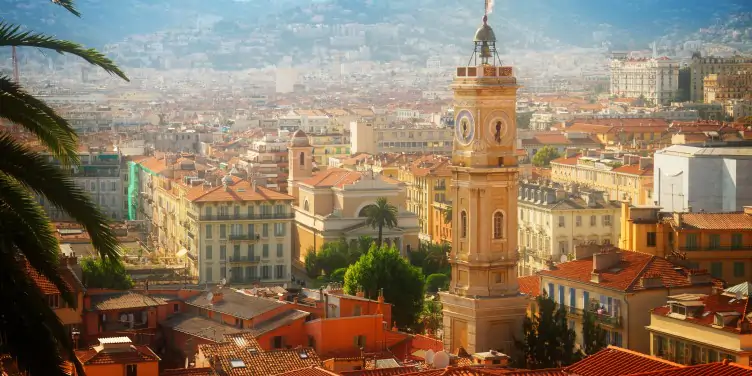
column 606, row 220
column 561, row 221
column 463, row 224
column 236, row 251
column 53, row 301
column 301, row 158
column 222, row 231
column 360, row 341
column 572, row 297
column 265, row 272
column 739, row 269
column 691, row 241
column 716, row 269
column 306, row 207
column 279, row 271
column 561, row 295
column 736, row 241
column 714, row 241
column 175, row 308
column 498, row 222
column 209, row 271
column 222, row 252
column 651, row 239
column 222, row 272
column 592, row 221
column 280, row 250
column 279, row 229
column 208, row 231
column 208, row 252
column 208, row 211
column 265, row 251
column 551, row 290
column 278, row 341
column 131, row 370
column 265, row 230
column 578, row 221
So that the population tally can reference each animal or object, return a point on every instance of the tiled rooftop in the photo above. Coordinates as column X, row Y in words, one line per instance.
column 712, row 304
column 98, row 355
column 402, row 370
column 529, row 285
column 235, row 359
column 710, row 369
column 713, row 221
column 239, row 190
column 206, row 371
column 237, row 304
column 124, row 300
column 614, row 361
column 201, row 327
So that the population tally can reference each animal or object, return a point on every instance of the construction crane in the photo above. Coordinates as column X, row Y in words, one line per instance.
column 16, row 77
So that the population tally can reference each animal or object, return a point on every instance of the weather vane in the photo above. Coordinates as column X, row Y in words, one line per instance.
column 489, row 8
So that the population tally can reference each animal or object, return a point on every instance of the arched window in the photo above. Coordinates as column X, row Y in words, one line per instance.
column 463, row 224
column 302, row 158
column 498, row 225
column 306, row 207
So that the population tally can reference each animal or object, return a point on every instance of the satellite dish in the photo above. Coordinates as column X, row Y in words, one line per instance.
column 429, row 356
column 441, row 360
column 564, row 258
column 209, row 297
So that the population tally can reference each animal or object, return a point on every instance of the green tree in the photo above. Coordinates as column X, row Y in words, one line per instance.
column 402, row 283
column 544, row 156
column 105, row 274
column 432, row 316
column 381, row 214
column 547, row 341
column 593, row 336
column 25, row 229
column 338, row 275
column 437, row 281
column 311, row 262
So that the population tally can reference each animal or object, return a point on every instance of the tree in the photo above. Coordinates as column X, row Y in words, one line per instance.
column 381, row 214
column 402, row 283
column 547, row 341
column 105, row 274
column 593, row 336
column 432, row 316
column 544, row 156
column 312, row 263
column 437, row 281
column 338, row 275
column 25, row 229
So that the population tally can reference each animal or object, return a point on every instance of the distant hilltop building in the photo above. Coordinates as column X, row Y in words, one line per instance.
column 701, row 67
column 655, row 79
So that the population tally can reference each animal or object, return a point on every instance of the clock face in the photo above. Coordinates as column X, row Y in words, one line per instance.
column 498, row 125
column 464, row 127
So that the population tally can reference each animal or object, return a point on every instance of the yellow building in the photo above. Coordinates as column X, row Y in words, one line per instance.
column 329, row 205
column 621, row 131
column 699, row 328
column 329, row 145
column 622, row 177
column 718, row 242
column 427, row 178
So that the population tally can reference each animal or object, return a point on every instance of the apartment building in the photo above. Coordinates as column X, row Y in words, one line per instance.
column 369, row 138
column 727, row 86
column 329, row 145
column 310, row 121
column 702, row 328
column 718, row 242
column 656, row 80
column 617, row 286
column 621, row 177
column 701, row 67
column 534, row 141
column 427, row 180
column 554, row 219
column 622, row 131
column 267, row 158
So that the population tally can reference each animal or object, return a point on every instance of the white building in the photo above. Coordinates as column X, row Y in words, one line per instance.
column 655, row 79
column 554, row 219
column 285, row 80
column 713, row 178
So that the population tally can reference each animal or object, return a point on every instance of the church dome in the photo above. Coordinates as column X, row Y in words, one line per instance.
column 299, row 139
column 485, row 33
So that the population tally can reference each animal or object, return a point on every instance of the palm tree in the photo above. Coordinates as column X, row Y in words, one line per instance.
column 381, row 214
column 431, row 316
column 30, row 332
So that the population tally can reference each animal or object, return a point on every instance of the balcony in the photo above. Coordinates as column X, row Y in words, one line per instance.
column 745, row 247
column 245, row 259
column 246, row 217
column 605, row 319
column 236, row 237
column 191, row 216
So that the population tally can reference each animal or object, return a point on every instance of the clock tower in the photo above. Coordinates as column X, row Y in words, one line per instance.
column 483, row 309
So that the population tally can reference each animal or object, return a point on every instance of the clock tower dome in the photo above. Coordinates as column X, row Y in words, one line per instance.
column 483, row 308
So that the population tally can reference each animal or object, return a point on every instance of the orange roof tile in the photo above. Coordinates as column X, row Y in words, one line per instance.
column 134, row 354
column 530, row 285
column 206, row 371
column 618, row 361
column 239, row 190
column 381, row 371
column 714, row 221
column 724, row 368
column 308, row 371
column 713, row 304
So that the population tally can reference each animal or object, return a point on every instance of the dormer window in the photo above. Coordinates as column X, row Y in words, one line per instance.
column 678, row 309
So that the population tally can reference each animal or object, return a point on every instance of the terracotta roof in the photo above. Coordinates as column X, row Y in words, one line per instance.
column 713, row 304
column 337, row 177
column 239, row 190
column 134, row 354
column 715, row 369
column 257, row 362
column 124, row 300
column 44, row 284
column 634, row 170
column 461, row 371
column 153, row 164
column 381, row 371
column 625, row 275
column 550, row 138
column 206, row 371
column 618, row 361
column 530, row 285
column 567, row 161
column 714, row 221
column 308, row 371
column 237, row 304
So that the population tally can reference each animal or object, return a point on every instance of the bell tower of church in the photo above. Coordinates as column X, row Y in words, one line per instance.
column 483, row 308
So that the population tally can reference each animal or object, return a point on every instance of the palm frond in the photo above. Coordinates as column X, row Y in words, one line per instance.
column 29, row 330
column 68, row 5
column 33, row 172
column 38, row 118
column 11, row 35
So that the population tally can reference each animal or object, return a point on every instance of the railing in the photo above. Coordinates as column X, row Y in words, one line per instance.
column 191, row 216
column 253, row 259
column 229, row 217
column 745, row 247
column 613, row 321
column 245, row 237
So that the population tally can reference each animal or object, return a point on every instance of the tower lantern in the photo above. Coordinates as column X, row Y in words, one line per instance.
column 485, row 45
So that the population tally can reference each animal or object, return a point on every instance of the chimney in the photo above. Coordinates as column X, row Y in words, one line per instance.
column 652, row 280
column 678, row 218
column 699, row 277
column 595, row 277
column 560, row 194
column 585, row 250
column 216, row 297
column 645, row 162
column 606, row 259
column 748, row 210
column 360, row 294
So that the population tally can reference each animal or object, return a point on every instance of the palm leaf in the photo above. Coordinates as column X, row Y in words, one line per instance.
column 68, row 5
column 33, row 172
column 11, row 35
column 34, row 115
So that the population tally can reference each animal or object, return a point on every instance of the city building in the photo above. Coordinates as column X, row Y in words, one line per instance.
column 534, row 141
column 700, row 67
column 620, row 131
column 483, row 308
column 330, row 205
column 553, row 219
column 267, row 158
column 367, row 137
column 702, row 328
column 426, row 179
column 620, row 176
column 329, row 145
column 119, row 356
column 727, row 86
column 699, row 177
column 69, row 316
column 617, row 286
column 718, row 242
column 655, row 80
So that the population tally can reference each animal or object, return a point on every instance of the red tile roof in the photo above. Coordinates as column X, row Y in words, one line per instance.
column 134, row 354
column 337, row 177
column 714, row 221
column 530, row 285
column 625, row 275
column 615, row 361
column 381, row 371
column 258, row 362
column 462, row 371
column 239, row 190
column 308, row 371
column 206, row 371
column 713, row 304
column 710, row 369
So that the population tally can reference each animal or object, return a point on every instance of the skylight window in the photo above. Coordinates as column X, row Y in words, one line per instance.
column 237, row 363
column 252, row 350
column 303, row 355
